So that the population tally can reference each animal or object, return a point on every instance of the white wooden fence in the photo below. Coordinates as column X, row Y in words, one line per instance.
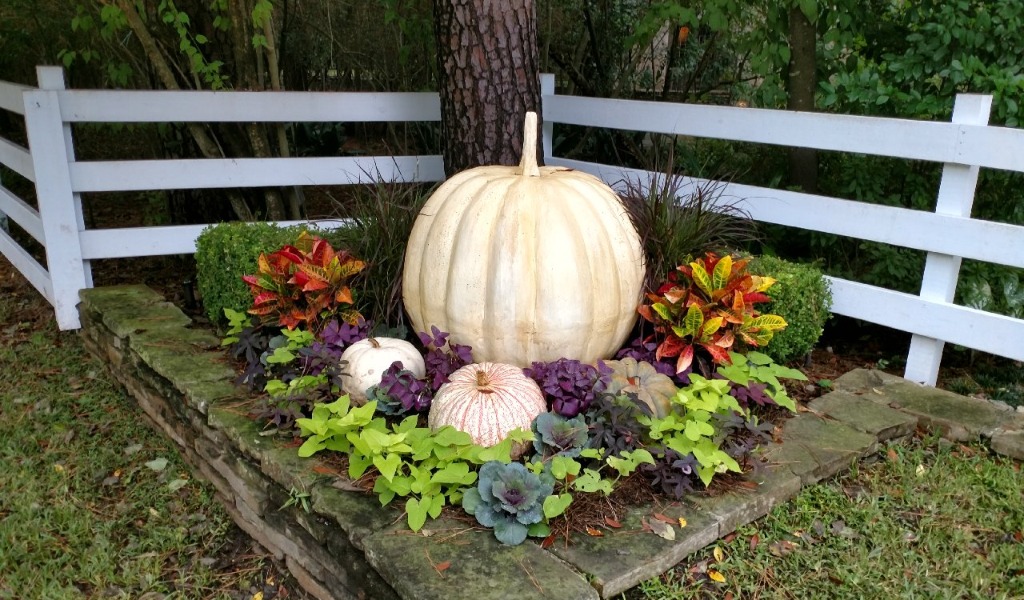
column 948, row 234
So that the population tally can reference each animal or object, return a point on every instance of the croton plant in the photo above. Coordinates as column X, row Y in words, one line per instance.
column 706, row 306
column 304, row 283
column 590, row 435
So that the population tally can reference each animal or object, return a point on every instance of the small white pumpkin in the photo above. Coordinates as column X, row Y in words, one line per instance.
column 487, row 401
column 525, row 263
column 369, row 358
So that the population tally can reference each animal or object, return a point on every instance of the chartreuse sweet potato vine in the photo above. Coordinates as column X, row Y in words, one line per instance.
column 429, row 469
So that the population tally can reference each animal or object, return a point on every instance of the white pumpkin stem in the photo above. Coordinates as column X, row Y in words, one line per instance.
column 528, row 163
column 483, row 383
column 373, row 342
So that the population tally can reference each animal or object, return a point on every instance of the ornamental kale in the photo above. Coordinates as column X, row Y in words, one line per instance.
column 509, row 498
column 558, row 436
column 400, row 392
column 569, row 384
column 443, row 357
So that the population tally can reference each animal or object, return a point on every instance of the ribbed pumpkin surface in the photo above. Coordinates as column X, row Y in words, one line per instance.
column 525, row 267
column 487, row 401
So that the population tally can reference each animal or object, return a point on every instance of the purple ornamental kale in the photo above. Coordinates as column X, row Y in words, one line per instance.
column 443, row 357
column 569, row 384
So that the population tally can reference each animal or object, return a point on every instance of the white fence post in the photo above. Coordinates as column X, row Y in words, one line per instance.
column 956, row 197
column 547, row 89
column 59, row 208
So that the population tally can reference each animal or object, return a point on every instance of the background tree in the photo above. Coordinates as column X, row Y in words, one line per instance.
column 488, row 78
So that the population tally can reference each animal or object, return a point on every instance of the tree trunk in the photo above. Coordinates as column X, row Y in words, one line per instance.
column 801, row 83
column 488, row 79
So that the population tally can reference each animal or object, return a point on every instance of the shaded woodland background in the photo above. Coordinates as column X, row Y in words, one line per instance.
column 869, row 57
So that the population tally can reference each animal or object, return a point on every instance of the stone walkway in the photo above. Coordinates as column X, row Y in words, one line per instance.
column 347, row 546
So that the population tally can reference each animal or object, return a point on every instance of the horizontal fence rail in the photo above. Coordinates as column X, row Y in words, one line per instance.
column 947, row 321
column 995, row 147
column 12, row 97
column 211, row 173
column 987, row 241
column 131, row 242
column 947, row 234
column 98, row 106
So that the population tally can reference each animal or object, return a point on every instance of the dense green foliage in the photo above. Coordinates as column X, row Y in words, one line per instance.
column 801, row 296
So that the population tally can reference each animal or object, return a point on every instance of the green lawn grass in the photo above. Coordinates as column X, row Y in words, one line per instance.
column 930, row 519
column 94, row 503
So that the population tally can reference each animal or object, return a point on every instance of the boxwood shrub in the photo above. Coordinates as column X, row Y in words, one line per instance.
column 802, row 297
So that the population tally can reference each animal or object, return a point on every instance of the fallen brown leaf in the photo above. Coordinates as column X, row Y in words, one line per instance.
column 612, row 523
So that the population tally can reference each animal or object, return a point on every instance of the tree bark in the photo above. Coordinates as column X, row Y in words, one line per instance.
column 801, row 83
column 488, row 72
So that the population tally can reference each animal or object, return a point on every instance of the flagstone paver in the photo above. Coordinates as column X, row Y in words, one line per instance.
column 865, row 415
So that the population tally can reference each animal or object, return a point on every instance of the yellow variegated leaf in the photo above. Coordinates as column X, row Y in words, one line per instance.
column 701, row 277
column 767, row 322
column 693, row 321
column 762, row 282
column 710, row 327
column 716, row 576
column 722, row 271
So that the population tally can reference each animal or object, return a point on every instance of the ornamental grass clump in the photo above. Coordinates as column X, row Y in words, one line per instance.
column 508, row 498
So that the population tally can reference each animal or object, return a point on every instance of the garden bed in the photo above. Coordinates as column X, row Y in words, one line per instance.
column 340, row 543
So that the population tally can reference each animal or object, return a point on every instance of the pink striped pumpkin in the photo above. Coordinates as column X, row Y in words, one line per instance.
column 487, row 401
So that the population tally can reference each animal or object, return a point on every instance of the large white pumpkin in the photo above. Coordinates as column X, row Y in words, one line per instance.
column 368, row 359
column 525, row 264
column 487, row 401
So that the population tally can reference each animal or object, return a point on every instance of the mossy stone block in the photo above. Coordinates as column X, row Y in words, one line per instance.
column 476, row 565
column 865, row 415
column 357, row 514
column 958, row 418
column 238, row 427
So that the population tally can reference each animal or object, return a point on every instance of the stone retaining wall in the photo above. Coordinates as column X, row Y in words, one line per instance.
column 348, row 546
